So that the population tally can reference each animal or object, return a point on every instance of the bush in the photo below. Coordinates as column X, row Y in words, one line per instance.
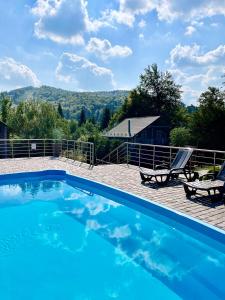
column 180, row 137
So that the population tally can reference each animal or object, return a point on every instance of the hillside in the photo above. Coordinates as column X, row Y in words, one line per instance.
column 72, row 102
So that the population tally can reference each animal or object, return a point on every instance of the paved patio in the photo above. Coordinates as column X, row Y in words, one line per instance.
column 127, row 179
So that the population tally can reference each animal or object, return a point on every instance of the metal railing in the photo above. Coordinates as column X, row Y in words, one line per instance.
column 147, row 155
column 71, row 149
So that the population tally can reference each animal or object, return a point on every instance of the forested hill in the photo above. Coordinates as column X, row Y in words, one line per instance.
column 72, row 102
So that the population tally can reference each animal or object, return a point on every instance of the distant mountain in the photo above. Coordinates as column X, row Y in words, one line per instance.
column 72, row 102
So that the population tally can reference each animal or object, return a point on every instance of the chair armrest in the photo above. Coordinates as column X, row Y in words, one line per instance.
column 207, row 176
column 164, row 165
column 176, row 169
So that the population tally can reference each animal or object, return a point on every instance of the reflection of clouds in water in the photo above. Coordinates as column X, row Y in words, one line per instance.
column 138, row 226
column 96, row 206
column 166, row 268
column 10, row 190
column 78, row 211
column 135, row 242
column 75, row 196
column 94, row 225
column 52, row 239
column 130, row 246
column 121, row 232
column 112, row 293
column 138, row 215
column 214, row 261
column 157, row 237
column 122, row 258
column 57, row 213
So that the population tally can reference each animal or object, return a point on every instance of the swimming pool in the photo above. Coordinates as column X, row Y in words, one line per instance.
column 64, row 237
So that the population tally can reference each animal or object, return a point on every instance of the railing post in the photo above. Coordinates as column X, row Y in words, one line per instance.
column 93, row 154
column 67, row 153
column 170, row 156
column 44, row 147
column 127, row 154
column 61, row 154
column 12, row 150
column 153, row 162
column 117, row 156
column 214, row 161
column 74, row 150
column 139, row 160
column 29, row 148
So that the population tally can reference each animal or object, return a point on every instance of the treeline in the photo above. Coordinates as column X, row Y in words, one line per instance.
column 156, row 94
column 72, row 102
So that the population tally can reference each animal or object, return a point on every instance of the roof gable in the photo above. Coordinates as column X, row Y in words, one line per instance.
column 136, row 126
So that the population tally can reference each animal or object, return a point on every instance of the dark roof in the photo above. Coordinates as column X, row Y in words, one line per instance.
column 2, row 123
column 136, row 125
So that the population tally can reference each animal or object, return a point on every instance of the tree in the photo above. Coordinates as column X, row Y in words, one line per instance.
column 60, row 110
column 106, row 115
column 180, row 137
column 156, row 94
column 208, row 122
column 82, row 118
column 5, row 107
column 37, row 119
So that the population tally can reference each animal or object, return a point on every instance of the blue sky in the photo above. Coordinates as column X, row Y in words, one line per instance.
column 106, row 44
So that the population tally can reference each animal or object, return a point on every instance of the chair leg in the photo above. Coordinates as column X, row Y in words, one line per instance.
column 145, row 178
column 191, row 176
column 161, row 181
column 189, row 191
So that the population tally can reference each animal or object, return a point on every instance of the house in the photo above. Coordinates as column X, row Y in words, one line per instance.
column 3, row 139
column 145, row 130
column 3, row 130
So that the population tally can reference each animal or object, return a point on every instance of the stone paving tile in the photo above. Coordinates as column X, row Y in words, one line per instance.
column 128, row 179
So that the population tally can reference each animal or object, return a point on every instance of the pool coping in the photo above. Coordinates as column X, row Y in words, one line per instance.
column 179, row 217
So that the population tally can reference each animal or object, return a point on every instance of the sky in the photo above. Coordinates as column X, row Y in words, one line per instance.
column 83, row 45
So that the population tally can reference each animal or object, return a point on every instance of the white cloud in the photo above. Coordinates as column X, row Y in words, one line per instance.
column 167, row 10
column 192, row 55
column 141, row 36
column 105, row 50
column 196, row 70
column 142, row 24
column 120, row 17
column 14, row 75
column 83, row 74
column 190, row 30
column 128, row 9
column 64, row 21
column 189, row 10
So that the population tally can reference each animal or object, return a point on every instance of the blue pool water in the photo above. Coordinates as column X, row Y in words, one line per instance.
column 63, row 240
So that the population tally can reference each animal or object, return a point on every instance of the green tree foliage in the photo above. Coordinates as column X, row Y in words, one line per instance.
column 106, row 115
column 82, row 118
column 156, row 94
column 72, row 102
column 5, row 107
column 208, row 122
column 180, row 137
column 180, row 116
column 60, row 110
column 33, row 119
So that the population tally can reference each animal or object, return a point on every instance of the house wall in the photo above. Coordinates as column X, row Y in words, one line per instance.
column 156, row 133
column 3, row 144
column 3, row 131
column 153, row 135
